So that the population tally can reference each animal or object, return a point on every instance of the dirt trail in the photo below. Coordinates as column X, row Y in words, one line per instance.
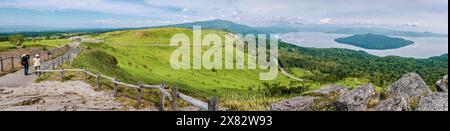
column 18, row 79
column 57, row 96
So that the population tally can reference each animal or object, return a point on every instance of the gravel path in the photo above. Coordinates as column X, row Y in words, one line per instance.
column 57, row 96
column 18, row 79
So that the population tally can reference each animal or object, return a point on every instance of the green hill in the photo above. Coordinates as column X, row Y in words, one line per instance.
column 144, row 55
column 375, row 42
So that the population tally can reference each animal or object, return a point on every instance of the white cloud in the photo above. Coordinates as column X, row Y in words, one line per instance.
column 412, row 24
column 102, row 6
column 430, row 14
column 325, row 21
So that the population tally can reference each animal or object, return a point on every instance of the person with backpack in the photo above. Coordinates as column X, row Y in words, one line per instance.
column 25, row 63
column 37, row 63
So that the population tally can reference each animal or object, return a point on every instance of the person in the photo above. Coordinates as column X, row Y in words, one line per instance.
column 37, row 63
column 24, row 61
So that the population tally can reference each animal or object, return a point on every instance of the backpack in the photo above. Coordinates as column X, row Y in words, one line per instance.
column 23, row 61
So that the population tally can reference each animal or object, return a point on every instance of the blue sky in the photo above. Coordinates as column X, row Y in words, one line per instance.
column 420, row 15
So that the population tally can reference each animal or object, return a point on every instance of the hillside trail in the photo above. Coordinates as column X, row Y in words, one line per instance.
column 18, row 79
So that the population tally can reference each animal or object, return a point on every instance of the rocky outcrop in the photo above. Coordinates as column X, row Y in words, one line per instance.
column 301, row 103
column 355, row 100
column 442, row 85
column 434, row 102
column 397, row 103
column 410, row 93
column 412, row 85
column 319, row 100
column 324, row 92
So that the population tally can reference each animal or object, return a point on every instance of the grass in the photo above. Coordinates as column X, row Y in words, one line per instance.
column 151, row 65
column 6, row 46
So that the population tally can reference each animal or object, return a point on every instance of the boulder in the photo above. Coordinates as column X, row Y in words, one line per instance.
column 434, row 102
column 332, row 90
column 442, row 85
column 412, row 85
column 301, row 103
column 355, row 100
column 397, row 103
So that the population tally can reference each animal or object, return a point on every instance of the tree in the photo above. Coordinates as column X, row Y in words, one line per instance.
column 17, row 39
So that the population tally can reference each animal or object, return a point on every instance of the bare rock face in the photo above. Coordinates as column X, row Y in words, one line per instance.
column 442, row 85
column 57, row 96
column 434, row 102
column 5, row 91
column 407, row 94
column 355, row 100
column 412, row 85
column 301, row 103
column 397, row 103
column 312, row 101
column 329, row 91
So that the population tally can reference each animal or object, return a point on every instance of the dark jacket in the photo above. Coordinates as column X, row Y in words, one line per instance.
column 25, row 60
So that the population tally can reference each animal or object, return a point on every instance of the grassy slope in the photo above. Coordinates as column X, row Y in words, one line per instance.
column 145, row 56
column 152, row 63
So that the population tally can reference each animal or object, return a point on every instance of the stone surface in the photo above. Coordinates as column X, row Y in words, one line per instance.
column 329, row 91
column 412, row 85
column 57, row 96
column 301, row 103
column 434, row 102
column 355, row 100
column 442, row 85
column 397, row 103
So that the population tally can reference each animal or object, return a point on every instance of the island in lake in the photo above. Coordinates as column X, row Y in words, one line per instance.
column 374, row 41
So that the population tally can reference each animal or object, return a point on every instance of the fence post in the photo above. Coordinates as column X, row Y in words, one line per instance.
column 139, row 95
column 12, row 62
column 174, row 98
column 39, row 73
column 116, row 90
column 68, row 59
column 84, row 74
column 62, row 75
column 161, row 97
column 98, row 80
column 213, row 104
column 1, row 63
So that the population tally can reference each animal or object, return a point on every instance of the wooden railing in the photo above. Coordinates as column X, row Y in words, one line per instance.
column 173, row 96
column 12, row 63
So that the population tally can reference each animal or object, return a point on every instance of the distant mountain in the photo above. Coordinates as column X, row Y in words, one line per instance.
column 375, row 42
column 234, row 27
column 382, row 31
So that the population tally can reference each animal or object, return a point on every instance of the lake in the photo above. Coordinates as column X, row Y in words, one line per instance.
column 423, row 47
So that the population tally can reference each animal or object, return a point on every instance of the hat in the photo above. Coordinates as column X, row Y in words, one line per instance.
column 37, row 55
column 23, row 55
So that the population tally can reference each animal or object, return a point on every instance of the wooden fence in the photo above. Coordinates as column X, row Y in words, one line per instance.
column 8, row 64
column 172, row 96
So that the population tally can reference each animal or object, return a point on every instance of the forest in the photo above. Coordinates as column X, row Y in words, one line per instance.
column 335, row 64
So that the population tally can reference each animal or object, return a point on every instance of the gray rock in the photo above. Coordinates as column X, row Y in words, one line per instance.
column 329, row 91
column 301, row 103
column 434, row 102
column 5, row 91
column 442, row 85
column 412, row 85
column 355, row 100
column 397, row 103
